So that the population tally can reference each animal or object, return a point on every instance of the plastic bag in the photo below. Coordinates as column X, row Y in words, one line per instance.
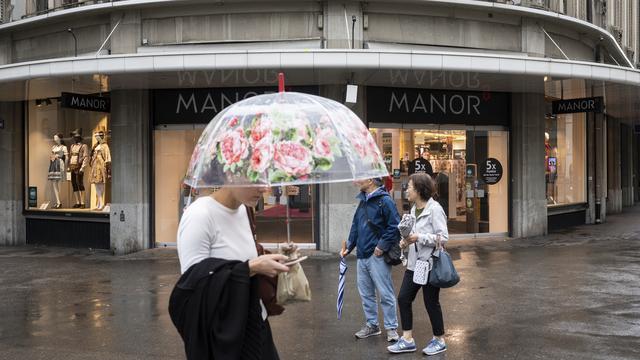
column 293, row 286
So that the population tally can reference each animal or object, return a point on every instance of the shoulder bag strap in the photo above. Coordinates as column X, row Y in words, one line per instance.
column 252, row 224
column 252, row 220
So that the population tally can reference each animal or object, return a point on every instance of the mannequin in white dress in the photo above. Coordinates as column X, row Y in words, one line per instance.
column 57, row 167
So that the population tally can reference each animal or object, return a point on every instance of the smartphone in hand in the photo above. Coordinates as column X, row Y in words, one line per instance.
column 295, row 261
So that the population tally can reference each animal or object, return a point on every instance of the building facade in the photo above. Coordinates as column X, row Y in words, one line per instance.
column 526, row 109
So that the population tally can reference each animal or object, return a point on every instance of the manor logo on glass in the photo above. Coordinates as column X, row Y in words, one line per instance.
column 436, row 106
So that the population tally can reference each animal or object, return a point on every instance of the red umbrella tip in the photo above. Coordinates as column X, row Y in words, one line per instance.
column 280, row 82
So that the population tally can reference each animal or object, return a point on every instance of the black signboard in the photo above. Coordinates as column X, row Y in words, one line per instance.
column 426, row 106
column 33, row 196
column 491, row 171
column 200, row 106
column 85, row 102
column 592, row 104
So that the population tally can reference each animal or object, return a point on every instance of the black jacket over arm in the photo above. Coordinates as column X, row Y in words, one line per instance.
column 215, row 307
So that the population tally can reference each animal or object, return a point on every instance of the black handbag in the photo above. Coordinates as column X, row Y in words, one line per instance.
column 443, row 274
column 393, row 256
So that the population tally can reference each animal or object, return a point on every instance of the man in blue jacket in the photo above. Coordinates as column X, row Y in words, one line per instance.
column 373, row 231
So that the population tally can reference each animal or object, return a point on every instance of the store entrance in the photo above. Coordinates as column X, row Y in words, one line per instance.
column 469, row 165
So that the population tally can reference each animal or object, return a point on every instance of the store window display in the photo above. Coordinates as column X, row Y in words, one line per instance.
column 57, row 167
column 551, row 166
column 565, row 159
column 70, row 170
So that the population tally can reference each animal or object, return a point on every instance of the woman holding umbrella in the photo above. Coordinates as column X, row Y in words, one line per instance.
column 265, row 141
column 218, row 261
column 429, row 232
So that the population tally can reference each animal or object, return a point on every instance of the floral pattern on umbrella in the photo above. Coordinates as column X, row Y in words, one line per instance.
column 281, row 139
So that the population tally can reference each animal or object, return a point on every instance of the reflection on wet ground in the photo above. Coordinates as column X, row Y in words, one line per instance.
column 574, row 295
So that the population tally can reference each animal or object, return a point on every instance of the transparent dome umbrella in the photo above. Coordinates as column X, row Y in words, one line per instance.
column 284, row 138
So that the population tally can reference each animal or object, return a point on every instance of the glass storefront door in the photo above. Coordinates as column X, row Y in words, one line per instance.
column 470, row 167
column 173, row 146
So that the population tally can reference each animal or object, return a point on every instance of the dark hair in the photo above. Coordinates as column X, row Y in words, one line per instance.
column 424, row 186
column 61, row 138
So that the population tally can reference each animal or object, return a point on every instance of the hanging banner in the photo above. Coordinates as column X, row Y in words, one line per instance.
column 592, row 104
column 85, row 102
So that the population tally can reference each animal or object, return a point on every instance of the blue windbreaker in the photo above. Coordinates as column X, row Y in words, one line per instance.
column 383, row 232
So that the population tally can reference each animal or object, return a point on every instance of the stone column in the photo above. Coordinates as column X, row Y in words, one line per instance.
column 528, row 208
column 601, row 167
column 12, row 223
column 130, row 153
column 636, row 167
column 528, row 198
column 614, row 185
column 626, row 154
column 590, row 214
column 597, row 164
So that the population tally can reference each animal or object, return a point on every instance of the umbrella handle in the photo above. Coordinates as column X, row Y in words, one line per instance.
column 280, row 82
column 287, row 222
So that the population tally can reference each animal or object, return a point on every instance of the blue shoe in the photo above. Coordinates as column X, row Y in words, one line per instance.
column 402, row 346
column 435, row 347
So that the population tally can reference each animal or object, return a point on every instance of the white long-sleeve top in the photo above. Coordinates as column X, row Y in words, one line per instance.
column 431, row 223
column 210, row 229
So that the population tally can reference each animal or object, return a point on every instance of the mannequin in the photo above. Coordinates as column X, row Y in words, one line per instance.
column 78, row 162
column 550, row 160
column 100, row 167
column 57, row 165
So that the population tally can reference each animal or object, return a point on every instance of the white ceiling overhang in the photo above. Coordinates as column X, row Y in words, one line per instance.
column 319, row 59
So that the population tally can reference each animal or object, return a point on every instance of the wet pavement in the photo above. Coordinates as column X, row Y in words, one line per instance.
column 570, row 295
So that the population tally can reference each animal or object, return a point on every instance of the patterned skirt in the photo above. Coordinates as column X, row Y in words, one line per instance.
column 98, row 171
column 55, row 169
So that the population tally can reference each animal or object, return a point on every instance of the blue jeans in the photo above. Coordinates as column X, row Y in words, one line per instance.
column 374, row 274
